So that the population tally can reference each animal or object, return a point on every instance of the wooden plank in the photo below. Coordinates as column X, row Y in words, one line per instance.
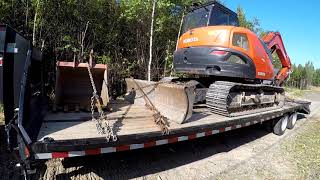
column 74, row 130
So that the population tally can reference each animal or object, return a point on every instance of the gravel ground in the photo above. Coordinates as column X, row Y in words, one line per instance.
column 296, row 156
column 249, row 153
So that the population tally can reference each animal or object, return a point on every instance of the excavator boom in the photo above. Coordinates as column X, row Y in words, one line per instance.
column 274, row 42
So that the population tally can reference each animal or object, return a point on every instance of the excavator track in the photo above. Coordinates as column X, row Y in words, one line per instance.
column 221, row 96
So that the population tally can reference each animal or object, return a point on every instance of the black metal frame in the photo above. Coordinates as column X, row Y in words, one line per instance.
column 19, row 60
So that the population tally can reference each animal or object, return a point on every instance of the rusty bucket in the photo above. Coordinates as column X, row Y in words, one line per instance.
column 73, row 87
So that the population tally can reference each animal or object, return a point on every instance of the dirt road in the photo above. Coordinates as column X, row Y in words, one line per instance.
column 245, row 153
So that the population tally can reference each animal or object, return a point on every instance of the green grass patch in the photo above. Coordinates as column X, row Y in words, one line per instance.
column 295, row 92
column 304, row 150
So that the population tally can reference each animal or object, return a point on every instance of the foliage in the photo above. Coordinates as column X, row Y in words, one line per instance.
column 303, row 77
column 253, row 25
column 118, row 31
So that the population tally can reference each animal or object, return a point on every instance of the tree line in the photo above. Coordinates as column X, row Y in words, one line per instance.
column 301, row 76
column 118, row 32
column 304, row 76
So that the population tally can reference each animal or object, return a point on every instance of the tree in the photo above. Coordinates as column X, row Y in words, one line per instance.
column 119, row 32
column 253, row 25
column 316, row 78
column 151, row 39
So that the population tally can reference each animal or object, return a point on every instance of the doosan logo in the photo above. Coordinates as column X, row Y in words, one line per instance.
column 190, row 40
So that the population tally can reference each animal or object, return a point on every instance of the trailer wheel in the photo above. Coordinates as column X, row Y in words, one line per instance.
column 292, row 120
column 280, row 125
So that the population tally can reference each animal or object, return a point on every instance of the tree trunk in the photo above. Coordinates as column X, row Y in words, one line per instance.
column 151, row 39
column 166, row 59
column 34, row 29
column 27, row 13
column 35, row 24
column 180, row 28
column 82, row 38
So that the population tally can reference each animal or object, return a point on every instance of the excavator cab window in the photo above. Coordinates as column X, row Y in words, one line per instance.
column 240, row 40
column 213, row 14
column 196, row 18
column 222, row 16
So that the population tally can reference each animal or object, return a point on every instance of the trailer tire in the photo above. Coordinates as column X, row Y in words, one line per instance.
column 280, row 125
column 292, row 120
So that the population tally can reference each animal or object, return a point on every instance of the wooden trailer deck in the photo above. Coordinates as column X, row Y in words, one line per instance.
column 126, row 119
column 134, row 126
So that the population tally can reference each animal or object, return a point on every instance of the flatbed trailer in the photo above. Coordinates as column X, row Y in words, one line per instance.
column 36, row 133
column 64, row 135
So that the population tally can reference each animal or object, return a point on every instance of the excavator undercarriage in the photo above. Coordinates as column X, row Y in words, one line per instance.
column 235, row 99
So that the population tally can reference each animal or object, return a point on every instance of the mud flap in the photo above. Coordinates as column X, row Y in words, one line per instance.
column 73, row 87
column 174, row 101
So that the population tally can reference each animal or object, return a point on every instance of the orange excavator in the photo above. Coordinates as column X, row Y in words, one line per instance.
column 229, row 68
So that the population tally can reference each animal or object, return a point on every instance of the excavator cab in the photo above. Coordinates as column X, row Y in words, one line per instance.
column 209, row 14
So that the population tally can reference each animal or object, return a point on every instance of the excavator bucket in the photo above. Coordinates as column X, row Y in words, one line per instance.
column 174, row 101
column 73, row 86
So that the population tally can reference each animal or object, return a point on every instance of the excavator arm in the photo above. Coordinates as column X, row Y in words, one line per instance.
column 274, row 42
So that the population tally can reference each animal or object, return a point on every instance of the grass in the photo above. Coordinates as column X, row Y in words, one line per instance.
column 304, row 150
column 295, row 92
column 298, row 93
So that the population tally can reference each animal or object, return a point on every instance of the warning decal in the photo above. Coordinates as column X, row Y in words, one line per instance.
column 11, row 48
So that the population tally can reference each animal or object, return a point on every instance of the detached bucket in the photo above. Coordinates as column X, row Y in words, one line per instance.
column 174, row 101
column 73, row 87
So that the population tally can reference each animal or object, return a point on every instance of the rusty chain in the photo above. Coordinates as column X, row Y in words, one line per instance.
column 159, row 119
column 102, row 128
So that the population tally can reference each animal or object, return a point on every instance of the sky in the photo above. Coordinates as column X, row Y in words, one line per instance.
column 297, row 21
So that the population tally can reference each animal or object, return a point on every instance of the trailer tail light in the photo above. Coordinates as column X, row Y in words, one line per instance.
column 219, row 53
column 1, row 61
